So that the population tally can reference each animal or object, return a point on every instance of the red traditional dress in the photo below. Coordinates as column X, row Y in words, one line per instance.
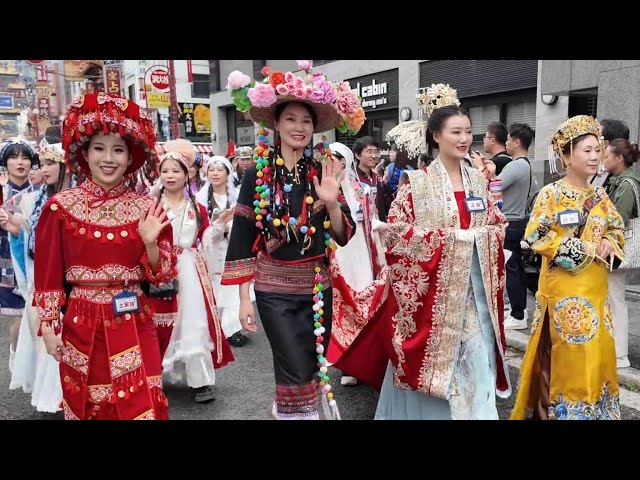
column 95, row 266
column 445, row 301
column 358, row 273
column 112, row 370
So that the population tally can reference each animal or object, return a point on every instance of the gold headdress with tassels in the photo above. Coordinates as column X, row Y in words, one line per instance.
column 566, row 133
column 412, row 136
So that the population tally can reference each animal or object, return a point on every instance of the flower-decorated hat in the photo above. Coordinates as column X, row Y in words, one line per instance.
column 335, row 104
column 96, row 113
column 184, row 147
column 568, row 131
column 412, row 136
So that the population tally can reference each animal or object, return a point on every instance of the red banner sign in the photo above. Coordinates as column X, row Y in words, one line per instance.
column 112, row 83
column 43, row 106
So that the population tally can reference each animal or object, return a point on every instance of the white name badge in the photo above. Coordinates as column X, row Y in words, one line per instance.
column 628, row 234
column 125, row 302
column 569, row 218
column 475, row 204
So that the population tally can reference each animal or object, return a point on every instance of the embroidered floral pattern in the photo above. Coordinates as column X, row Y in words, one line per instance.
column 68, row 413
column 155, row 381
column 575, row 320
column 294, row 399
column 238, row 270
column 106, row 273
column 607, row 407
column 100, row 393
column 570, row 253
column 101, row 295
column 76, row 359
column 167, row 268
column 48, row 304
column 119, row 208
column 125, row 362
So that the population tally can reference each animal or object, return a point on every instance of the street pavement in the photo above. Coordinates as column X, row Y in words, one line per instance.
column 244, row 390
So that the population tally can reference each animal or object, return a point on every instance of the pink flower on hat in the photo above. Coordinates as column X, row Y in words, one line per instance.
column 326, row 86
column 289, row 77
column 347, row 103
column 262, row 95
column 317, row 96
column 237, row 79
column 304, row 64
column 299, row 92
column 330, row 96
column 343, row 86
column 282, row 89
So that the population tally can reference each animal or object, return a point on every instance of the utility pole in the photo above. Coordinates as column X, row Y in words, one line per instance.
column 175, row 129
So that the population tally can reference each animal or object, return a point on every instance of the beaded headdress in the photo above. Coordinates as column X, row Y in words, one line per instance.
column 412, row 136
column 566, row 133
column 95, row 113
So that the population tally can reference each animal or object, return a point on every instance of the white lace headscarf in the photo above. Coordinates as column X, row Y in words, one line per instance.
column 351, row 175
column 203, row 194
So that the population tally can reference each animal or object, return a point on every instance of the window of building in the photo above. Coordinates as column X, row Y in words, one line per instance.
column 200, row 86
column 214, row 76
column 583, row 104
column 257, row 66
column 132, row 92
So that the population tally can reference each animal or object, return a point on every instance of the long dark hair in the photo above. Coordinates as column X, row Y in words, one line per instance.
column 184, row 168
column 45, row 194
column 211, row 200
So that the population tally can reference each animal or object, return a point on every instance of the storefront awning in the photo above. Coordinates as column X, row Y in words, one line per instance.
column 204, row 148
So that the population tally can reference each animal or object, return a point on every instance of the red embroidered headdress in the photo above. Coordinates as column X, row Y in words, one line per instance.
column 96, row 113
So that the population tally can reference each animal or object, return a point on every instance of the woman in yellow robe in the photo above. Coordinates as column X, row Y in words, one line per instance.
column 569, row 368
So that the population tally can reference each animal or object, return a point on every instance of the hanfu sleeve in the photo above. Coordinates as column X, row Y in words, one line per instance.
column 166, row 269
column 49, row 295
column 347, row 219
column 240, row 263
column 547, row 238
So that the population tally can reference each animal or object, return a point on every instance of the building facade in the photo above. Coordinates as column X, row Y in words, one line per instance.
column 147, row 82
column 601, row 88
column 503, row 90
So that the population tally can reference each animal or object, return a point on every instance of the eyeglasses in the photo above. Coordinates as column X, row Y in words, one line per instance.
column 371, row 151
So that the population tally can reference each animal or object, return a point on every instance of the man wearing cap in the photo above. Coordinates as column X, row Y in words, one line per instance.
column 242, row 161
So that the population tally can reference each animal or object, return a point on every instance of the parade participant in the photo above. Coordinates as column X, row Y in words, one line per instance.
column 358, row 263
column 193, row 345
column 569, row 368
column 219, row 197
column 17, row 158
column 623, row 188
column 243, row 160
column 104, row 243
column 287, row 213
column 36, row 371
column 441, row 324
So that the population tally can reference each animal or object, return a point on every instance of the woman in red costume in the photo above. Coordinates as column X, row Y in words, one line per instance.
column 440, row 329
column 106, row 242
